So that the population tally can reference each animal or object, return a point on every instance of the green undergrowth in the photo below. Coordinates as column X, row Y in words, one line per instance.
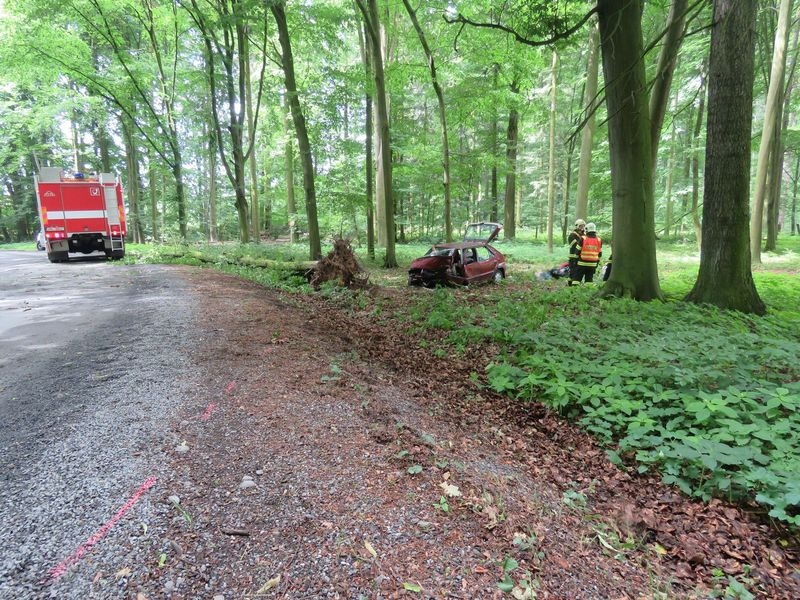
column 708, row 398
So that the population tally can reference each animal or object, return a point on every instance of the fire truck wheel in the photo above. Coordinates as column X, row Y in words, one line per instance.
column 55, row 257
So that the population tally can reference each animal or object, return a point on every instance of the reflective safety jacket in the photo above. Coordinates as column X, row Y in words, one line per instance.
column 574, row 240
column 591, row 249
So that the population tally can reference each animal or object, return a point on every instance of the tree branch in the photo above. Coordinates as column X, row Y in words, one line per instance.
column 517, row 36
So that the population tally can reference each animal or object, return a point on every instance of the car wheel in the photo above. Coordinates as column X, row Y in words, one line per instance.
column 498, row 276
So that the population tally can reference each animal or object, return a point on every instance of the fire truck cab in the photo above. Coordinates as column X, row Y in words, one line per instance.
column 80, row 214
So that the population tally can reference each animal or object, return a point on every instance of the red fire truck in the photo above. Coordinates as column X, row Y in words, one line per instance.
column 80, row 214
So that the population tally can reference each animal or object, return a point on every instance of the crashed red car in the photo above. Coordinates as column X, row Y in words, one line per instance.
column 471, row 260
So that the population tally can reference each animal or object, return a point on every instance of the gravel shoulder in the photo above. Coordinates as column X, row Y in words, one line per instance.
column 88, row 410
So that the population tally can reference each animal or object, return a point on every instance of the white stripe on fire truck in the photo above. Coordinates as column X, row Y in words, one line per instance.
column 76, row 214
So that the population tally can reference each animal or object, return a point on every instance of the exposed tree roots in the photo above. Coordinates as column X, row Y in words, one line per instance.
column 339, row 265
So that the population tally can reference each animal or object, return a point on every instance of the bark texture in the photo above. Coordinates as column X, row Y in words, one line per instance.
column 303, row 144
column 725, row 279
column 587, row 134
column 635, row 273
column 667, row 60
column 437, row 87
column 512, row 139
column 771, row 128
column 383, row 150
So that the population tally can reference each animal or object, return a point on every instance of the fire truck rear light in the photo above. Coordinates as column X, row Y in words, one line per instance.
column 55, row 235
column 115, row 230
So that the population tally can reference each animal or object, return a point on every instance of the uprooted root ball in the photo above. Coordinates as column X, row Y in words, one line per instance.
column 339, row 265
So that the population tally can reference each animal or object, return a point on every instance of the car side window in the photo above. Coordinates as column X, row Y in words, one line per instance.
column 483, row 254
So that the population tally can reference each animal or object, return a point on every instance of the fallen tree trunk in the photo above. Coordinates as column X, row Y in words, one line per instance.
column 267, row 263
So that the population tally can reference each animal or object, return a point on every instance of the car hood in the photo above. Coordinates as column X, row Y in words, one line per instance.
column 430, row 262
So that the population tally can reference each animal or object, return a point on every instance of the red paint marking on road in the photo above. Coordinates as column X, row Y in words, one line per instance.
column 209, row 409
column 58, row 571
column 230, row 387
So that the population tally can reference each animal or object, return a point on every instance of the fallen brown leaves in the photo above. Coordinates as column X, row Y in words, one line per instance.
column 340, row 512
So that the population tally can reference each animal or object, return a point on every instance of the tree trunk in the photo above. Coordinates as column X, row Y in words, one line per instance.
column 255, row 210
column 267, row 222
column 667, row 61
column 369, row 11
column 565, row 194
column 725, row 279
column 671, row 160
column 448, row 225
column 237, row 176
column 771, row 121
column 493, row 145
column 551, row 168
column 512, row 139
column 774, row 222
column 790, row 76
column 288, row 149
column 103, row 144
column 304, row 147
column 635, row 273
column 135, row 233
column 211, row 161
column 795, row 190
column 774, row 179
column 74, row 138
column 237, row 123
column 162, row 213
column 698, row 129
column 369, row 176
column 369, row 171
column 587, row 133
column 668, row 210
column 152, row 176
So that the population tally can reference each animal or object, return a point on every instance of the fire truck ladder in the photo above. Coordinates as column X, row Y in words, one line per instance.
column 117, row 241
column 113, row 217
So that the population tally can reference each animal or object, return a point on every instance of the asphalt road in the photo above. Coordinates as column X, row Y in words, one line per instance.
column 93, row 365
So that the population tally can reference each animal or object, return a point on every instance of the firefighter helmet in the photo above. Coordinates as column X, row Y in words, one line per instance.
column 591, row 228
column 579, row 222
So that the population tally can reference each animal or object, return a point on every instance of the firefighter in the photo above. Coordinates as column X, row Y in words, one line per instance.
column 574, row 239
column 590, row 250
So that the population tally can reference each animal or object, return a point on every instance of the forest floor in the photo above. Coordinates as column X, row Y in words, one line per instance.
column 330, row 456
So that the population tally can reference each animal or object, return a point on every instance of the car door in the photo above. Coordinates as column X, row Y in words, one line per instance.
column 476, row 266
